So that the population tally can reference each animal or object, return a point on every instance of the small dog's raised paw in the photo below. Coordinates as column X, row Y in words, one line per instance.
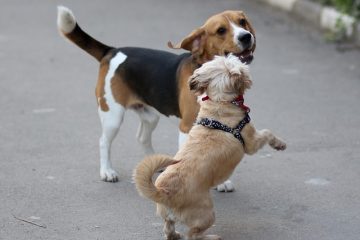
column 226, row 186
column 109, row 175
column 278, row 144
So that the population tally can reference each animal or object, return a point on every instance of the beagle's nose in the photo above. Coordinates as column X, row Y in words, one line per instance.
column 245, row 39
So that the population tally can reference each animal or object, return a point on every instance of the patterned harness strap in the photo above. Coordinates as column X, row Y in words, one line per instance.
column 236, row 131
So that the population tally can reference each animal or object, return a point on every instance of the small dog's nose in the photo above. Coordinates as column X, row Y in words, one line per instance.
column 245, row 39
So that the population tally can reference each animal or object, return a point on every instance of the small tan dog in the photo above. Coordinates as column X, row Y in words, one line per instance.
column 213, row 150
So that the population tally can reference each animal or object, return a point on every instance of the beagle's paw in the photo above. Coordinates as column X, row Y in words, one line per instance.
column 226, row 186
column 109, row 175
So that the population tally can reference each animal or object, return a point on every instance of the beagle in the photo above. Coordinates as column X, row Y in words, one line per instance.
column 153, row 82
column 223, row 134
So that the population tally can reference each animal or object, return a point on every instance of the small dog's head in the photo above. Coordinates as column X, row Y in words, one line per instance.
column 223, row 78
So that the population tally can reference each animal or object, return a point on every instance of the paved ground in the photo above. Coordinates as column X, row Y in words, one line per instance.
column 304, row 90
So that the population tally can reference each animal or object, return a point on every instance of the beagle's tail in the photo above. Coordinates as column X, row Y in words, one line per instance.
column 67, row 25
column 144, row 172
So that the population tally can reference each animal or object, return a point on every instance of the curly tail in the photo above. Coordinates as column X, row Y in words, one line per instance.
column 144, row 172
column 68, row 26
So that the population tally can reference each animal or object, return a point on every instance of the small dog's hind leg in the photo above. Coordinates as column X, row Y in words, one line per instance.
column 169, row 230
column 197, row 233
column 199, row 220
column 111, row 122
column 149, row 119
column 169, row 218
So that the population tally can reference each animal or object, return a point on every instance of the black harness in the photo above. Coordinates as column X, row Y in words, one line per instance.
column 236, row 131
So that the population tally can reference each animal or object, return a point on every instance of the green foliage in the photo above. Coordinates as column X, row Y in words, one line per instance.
column 340, row 32
column 350, row 7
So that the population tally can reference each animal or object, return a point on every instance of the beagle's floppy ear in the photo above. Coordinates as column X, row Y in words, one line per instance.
column 198, row 84
column 195, row 43
column 192, row 39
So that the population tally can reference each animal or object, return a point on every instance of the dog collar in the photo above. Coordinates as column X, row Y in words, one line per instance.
column 236, row 131
column 238, row 101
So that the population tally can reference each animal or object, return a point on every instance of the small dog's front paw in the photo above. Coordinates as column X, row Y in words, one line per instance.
column 226, row 186
column 278, row 144
column 109, row 175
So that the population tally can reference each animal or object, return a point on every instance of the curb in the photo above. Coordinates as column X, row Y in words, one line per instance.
column 320, row 16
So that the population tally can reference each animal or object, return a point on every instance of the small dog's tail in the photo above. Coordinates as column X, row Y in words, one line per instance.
column 67, row 25
column 144, row 172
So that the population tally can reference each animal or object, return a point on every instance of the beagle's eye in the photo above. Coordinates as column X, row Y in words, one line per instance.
column 221, row 31
column 242, row 22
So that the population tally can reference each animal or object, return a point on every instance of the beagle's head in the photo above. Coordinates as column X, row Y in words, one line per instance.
column 224, row 33
column 222, row 79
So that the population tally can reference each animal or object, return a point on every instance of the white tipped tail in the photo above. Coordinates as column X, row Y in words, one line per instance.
column 65, row 20
column 69, row 28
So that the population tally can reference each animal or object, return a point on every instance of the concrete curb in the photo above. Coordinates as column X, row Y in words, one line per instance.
column 320, row 16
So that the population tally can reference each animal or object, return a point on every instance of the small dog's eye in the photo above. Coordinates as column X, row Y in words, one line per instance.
column 221, row 31
column 242, row 22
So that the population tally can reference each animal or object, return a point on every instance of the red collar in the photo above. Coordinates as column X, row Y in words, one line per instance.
column 239, row 101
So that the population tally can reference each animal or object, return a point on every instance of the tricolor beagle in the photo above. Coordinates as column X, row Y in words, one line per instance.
column 153, row 81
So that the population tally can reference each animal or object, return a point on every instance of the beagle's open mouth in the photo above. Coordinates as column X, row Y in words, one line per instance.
column 245, row 56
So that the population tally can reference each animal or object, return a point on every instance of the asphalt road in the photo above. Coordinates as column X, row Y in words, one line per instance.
column 305, row 90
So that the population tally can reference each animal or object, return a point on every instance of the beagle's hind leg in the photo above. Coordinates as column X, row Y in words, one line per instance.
column 149, row 119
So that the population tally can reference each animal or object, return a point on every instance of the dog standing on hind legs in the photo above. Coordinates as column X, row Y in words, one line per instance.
column 216, row 144
column 151, row 82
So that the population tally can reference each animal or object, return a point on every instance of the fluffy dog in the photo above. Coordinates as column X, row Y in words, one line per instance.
column 151, row 81
column 216, row 144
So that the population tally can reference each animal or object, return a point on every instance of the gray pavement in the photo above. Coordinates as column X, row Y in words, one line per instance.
column 304, row 90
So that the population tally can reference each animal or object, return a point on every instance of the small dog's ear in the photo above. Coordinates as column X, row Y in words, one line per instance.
column 197, row 85
column 236, row 80
column 240, row 80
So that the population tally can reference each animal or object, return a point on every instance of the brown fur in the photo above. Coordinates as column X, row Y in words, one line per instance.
column 207, row 158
